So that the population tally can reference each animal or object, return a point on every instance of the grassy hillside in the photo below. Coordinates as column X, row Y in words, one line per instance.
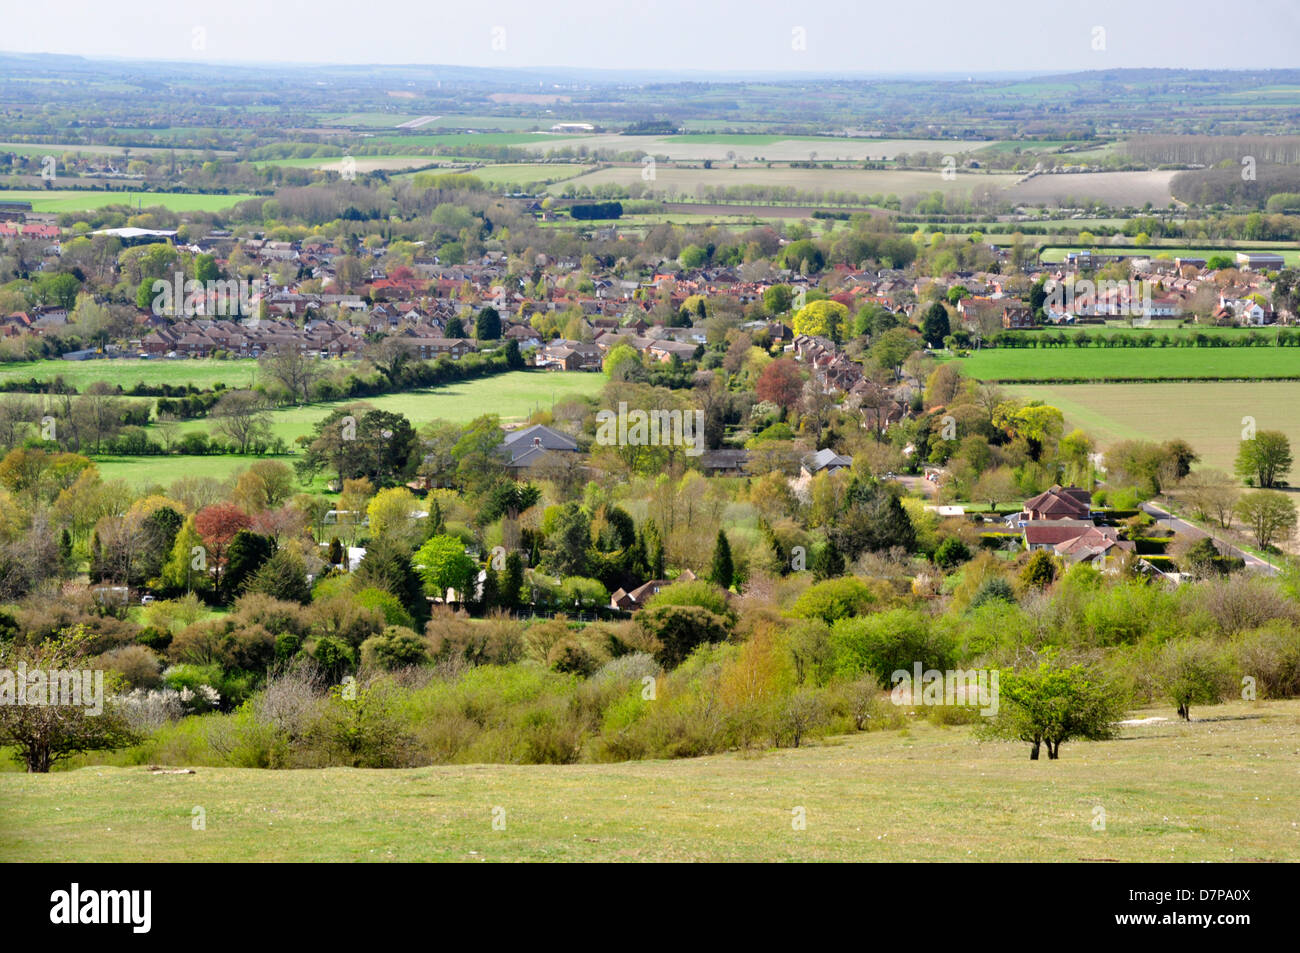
column 1218, row 789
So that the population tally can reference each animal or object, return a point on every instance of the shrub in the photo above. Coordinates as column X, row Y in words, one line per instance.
column 396, row 647
column 886, row 642
column 1192, row 671
column 835, row 599
column 680, row 629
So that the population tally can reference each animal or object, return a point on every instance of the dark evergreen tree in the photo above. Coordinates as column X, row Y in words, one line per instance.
column 722, row 571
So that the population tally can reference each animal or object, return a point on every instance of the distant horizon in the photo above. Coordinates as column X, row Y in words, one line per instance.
column 760, row 37
column 978, row 75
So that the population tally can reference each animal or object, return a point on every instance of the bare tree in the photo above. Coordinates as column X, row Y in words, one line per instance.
column 292, row 368
column 241, row 415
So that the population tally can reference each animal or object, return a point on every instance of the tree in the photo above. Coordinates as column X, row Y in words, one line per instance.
column 828, row 562
column 293, row 369
column 43, row 734
column 1051, row 705
column 821, row 319
column 1265, row 459
column 722, row 571
column 1039, row 572
column 780, row 383
column 387, row 565
column 994, row 487
column 394, row 511
column 934, row 325
column 892, row 348
column 1268, row 514
column 217, row 526
column 512, row 580
column 283, row 577
column 872, row 520
column 247, row 553
column 487, row 326
column 567, row 541
column 1192, row 670
column 778, row 298
column 241, row 416
column 443, row 564
column 1213, row 494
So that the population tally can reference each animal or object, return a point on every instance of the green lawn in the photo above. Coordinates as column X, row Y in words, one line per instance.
column 69, row 200
column 1221, row 788
column 513, row 396
column 201, row 372
column 1102, row 363
column 1290, row 255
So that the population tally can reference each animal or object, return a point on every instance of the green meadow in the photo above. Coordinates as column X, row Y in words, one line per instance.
column 1217, row 789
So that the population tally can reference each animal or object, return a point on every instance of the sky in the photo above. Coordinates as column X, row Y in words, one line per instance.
column 902, row 36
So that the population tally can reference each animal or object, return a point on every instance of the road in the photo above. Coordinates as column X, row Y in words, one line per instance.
column 1184, row 528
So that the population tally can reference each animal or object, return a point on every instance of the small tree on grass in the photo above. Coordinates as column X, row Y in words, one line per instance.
column 1050, row 705
column 1192, row 670
column 41, row 734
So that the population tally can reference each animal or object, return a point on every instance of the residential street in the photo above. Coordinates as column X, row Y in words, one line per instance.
column 1185, row 528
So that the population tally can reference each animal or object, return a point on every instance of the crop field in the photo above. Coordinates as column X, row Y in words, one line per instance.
column 1209, row 418
column 545, row 140
column 57, row 149
column 522, row 173
column 687, row 181
column 771, row 148
column 1219, row 788
column 69, row 200
column 1102, row 363
column 1113, row 188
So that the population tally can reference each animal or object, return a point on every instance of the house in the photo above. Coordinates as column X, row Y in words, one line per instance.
column 1048, row 534
column 1057, row 503
column 1092, row 545
column 827, row 460
column 726, row 462
column 533, row 445
column 1017, row 316
column 1260, row 261
column 569, row 356
column 631, row 601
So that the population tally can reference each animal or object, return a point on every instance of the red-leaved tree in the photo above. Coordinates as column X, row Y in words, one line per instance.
column 217, row 525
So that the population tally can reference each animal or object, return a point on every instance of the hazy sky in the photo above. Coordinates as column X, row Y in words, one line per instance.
column 836, row 35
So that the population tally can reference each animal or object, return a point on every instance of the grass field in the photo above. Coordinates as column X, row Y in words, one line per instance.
column 1099, row 363
column 388, row 163
column 1289, row 253
column 129, row 371
column 69, row 200
column 1208, row 416
column 513, row 396
column 1218, row 789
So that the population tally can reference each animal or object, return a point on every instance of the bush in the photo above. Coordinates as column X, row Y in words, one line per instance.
column 680, row 629
column 836, row 599
column 951, row 552
column 396, row 647
column 886, row 642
